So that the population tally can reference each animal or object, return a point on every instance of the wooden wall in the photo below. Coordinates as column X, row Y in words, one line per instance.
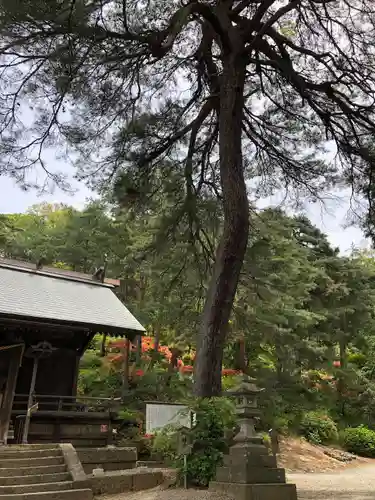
column 56, row 375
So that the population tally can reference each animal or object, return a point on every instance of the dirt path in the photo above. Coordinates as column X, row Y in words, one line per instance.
column 349, row 484
column 356, row 483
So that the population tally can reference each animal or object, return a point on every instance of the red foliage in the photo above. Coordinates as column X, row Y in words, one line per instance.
column 114, row 358
column 337, row 364
column 148, row 344
column 227, row 372
column 117, row 344
column 187, row 369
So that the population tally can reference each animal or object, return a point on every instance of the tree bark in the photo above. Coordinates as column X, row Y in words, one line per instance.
column 241, row 361
column 176, row 353
column 138, row 351
column 341, row 385
column 125, row 369
column 155, row 352
column 232, row 247
column 102, row 346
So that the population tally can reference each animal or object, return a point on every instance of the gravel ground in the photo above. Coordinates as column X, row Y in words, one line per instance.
column 350, row 484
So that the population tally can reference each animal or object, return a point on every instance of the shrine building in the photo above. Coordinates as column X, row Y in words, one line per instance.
column 48, row 318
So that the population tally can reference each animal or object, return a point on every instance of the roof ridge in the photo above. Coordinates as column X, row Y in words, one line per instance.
column 52, row 274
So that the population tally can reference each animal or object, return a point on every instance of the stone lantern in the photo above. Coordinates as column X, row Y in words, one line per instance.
column 246, row 397
column 249, row 471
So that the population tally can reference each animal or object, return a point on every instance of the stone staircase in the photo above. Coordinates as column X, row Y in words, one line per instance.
column 37, row 472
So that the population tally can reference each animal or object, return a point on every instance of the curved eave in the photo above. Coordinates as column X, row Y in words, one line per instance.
column 34, row 322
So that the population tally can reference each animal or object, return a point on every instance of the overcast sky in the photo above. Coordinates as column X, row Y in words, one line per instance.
column 332, row 219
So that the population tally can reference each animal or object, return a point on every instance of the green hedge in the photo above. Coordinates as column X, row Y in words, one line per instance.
column 359, row 440
column 318, row 428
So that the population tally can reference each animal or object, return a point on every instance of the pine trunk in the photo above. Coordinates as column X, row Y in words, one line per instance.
column 241, row 362
column 154, row 355
column 341, row 385
column 232, row 247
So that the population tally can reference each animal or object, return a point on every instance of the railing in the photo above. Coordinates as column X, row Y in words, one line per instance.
column 55, row 403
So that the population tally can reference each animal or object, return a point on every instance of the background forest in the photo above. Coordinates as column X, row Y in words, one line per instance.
column 303, row 322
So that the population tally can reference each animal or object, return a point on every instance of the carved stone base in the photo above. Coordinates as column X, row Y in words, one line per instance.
column 248, row 474
column 256, row 491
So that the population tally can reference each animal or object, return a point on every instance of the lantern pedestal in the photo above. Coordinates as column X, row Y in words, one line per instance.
column 249, row 471
column 257, row 491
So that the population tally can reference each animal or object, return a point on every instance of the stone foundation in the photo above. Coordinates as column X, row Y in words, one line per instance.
column 110, row 459
column 126, row 481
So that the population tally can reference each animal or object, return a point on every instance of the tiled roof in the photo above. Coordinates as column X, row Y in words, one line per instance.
column 29, row 293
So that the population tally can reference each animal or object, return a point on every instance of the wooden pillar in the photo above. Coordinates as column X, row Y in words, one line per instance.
column 15, row 355
column 30, row 401
column 76, row 375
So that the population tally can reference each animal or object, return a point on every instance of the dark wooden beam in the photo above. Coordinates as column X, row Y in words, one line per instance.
column 40, row 323
column 15, row 359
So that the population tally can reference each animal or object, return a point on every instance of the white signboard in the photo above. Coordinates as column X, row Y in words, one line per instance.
column 158, row 415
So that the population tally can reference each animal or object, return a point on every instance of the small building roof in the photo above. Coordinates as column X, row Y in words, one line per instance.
column 50, row 270
column 48, row 297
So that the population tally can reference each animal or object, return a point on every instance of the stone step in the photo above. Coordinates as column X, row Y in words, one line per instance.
column 51, row 495
column 23, row 447
column 31, row 462
column 152, row 464
column 8, row 454
column 35, row 488
column 32, row 471
column 35, row 479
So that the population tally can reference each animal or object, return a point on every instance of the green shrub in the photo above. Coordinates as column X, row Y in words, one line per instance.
column 359, row 440
column 318, row 428
column 165, row 443
column 90, row 360
column 358, row 359
column 282, row 424
column 213, row 418
column 266, row 439
column 230, row 382
column 128, row 414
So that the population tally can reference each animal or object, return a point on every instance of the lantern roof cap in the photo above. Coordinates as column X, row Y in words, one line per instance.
column 247, row 386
